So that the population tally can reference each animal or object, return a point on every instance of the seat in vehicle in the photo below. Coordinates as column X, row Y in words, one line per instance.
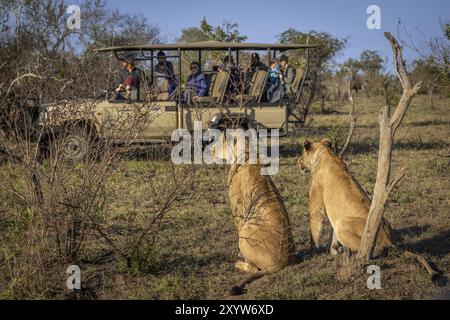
column 257, row 86
column 219, row 87
column 295, row 87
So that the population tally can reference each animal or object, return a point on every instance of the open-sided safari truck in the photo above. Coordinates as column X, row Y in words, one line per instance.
column 165, row 111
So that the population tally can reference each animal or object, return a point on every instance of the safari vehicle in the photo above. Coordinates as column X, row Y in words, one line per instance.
column 170, row 111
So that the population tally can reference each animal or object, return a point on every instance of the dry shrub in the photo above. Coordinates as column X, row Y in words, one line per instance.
column 141, row 209
column 54, row 207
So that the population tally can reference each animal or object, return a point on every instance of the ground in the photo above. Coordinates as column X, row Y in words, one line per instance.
column 197, row 246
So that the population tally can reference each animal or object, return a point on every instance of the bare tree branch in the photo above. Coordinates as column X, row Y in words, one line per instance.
column 396, row 180
column 388, row 126
column 26, row 75
column 408, row 92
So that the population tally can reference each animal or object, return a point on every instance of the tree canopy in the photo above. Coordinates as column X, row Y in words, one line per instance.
column 227, row 32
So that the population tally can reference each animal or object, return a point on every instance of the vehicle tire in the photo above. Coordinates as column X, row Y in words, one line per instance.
column 75, row 145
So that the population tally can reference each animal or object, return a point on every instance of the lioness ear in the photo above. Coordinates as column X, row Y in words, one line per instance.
column 327, row 143
column 307, row 145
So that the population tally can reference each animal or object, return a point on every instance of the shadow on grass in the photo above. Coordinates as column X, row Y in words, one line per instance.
column 435, row 246
column 187, row 263
column 368, row 146
column 327, row 111
column 160, row 152
column 398, row 235
column 309, row 131
column 428, row 123
column 288, row 151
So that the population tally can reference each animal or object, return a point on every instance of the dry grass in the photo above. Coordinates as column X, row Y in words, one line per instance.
column 193, row 256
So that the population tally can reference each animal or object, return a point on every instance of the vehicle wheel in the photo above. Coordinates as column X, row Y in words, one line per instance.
column 75, row 145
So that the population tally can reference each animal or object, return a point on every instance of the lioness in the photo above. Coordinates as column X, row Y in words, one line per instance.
column 261, row 219
column 335, row 194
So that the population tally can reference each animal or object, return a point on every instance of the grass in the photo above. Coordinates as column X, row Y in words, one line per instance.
column 195, row 251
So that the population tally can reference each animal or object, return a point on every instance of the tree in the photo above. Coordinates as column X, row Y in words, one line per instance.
column 192, row 34
column 345, row 74
column 38, row 47
column 370, row 64
column 328, row 47
column 370, row 61
column 60, row 201
column 102, row 26
column 430, row 74
column 434, row 50
column 227, row 32
column 388, row 126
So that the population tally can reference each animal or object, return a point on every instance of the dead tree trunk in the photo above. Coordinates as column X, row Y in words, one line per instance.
column 388, row 126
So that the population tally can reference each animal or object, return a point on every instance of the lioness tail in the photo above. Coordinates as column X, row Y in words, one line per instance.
column 239, row 289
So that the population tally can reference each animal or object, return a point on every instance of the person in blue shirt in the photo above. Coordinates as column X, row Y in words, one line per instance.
column 196, row 84
column 274, row 85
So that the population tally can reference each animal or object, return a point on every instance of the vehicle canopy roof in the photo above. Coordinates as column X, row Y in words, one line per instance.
column 209, row 45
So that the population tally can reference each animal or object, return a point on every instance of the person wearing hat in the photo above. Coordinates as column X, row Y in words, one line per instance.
column 129, row 79
column 288, row 74
column 256, row 63
column 164, row 70
column 229, row 66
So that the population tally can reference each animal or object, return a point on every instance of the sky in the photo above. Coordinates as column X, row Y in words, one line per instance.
column 262, row 21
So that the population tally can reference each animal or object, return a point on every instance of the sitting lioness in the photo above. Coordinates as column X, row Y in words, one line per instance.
column 261, row 219
column 335, row 194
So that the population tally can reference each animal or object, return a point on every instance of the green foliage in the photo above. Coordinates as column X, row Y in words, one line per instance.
column 143, row 259
column 328, row 45
column 353, row 64
column 192, row 34
column 228, row 32
column 25, row 218
column 429, row 73
column 370, row 62
column 336, row 135
column 368, row 72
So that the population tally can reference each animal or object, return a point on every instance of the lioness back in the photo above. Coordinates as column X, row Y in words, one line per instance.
column 344, row 200
column 262, row 221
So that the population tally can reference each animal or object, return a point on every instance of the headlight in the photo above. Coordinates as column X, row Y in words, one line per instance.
column 44, row 115
column 215, row 119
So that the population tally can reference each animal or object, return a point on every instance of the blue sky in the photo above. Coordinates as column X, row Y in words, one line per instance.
column 262, row 21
